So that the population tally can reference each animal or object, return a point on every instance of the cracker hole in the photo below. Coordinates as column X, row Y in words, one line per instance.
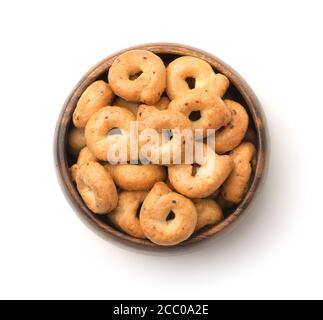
column 221, row 129
column 170, row 216
column 134, row 76
column 168, row 134
column 195, row 168
column 114, row 132
column 190, row 82
column 195, row 115
column 138, row 211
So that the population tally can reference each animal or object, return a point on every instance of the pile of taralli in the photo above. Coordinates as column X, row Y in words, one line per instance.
column 165, row 204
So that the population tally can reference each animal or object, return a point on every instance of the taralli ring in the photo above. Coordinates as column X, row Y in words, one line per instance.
column 126, row 215
column 230, row 136
column 96, row 96
column 205, row 110
column 133, row 177
column 203, row 181
column 182, row 69
column 84, row 157
column 97, row 188
column 208, row 213
column 97, row 130
column 167, row 218
column 150, row 83
column 162, row 122
column 234, row 189
column 76, row 140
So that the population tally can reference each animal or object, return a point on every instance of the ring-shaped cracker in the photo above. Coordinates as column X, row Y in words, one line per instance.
column 97, row 136
column 183, row 68
column 95, row 97
column 230, row 136
column 84, row 157
column 212, row 110
column 136, row 177
column 161, row 122
column 125, row 216
column 160, row 203
column 96, row 188
column 209, row 176
column 236, row 186
column 208, row 213
column 76, row 140
column 150, row 83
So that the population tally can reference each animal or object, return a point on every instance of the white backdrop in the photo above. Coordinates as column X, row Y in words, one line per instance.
column 47, row 252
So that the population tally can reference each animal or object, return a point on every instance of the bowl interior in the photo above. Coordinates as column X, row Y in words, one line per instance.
column 238, row 91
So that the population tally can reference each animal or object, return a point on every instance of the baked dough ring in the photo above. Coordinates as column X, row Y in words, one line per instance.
column 208, row 178
column 213, row 111
column 133, row 177
column 96, row 96
column 98, row 127
column 125, row 215
column 208, row 213
column 234, row 189
column 230, row 136
column 76, row 140
column 97, row 188
column 151, row 83
column 190, row 67
column 159, row 203
column 84, row 157
column 151, row 118
column 162, row 104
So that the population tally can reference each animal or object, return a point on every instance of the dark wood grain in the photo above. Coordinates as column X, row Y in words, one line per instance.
column 239, row 90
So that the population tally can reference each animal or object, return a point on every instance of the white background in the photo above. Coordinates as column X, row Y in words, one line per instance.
column 47, row 252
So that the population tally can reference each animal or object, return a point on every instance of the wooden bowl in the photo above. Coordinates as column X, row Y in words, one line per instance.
column 239, row 90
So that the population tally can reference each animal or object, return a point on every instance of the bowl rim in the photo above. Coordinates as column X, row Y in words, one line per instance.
column 64, row 119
